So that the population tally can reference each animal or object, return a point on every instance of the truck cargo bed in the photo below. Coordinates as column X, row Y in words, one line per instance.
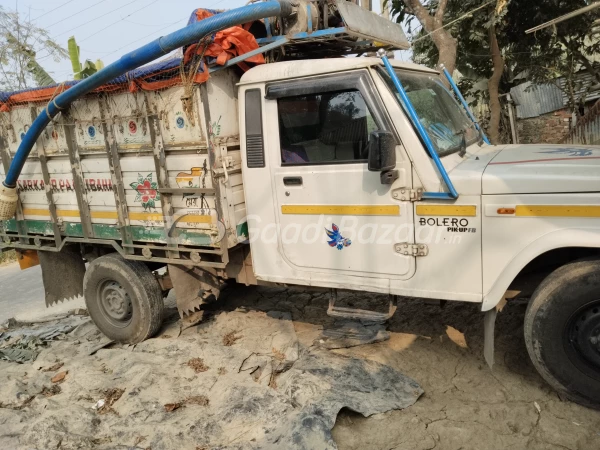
column 135, row 168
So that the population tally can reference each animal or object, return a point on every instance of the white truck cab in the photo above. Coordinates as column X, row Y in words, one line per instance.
column 336, row 173
column 521, row 210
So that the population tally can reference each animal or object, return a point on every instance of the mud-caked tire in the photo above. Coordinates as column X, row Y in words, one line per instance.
column 123, row 298
column 562, row 331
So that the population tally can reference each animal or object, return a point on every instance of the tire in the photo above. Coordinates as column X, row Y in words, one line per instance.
column 123, row 298
column 561, row 325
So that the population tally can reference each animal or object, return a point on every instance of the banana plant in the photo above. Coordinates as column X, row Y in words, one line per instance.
column 88, row 68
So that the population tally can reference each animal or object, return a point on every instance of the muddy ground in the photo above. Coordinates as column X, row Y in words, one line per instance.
column 464, row 404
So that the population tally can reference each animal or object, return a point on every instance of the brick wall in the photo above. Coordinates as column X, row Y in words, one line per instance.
column 549, row 128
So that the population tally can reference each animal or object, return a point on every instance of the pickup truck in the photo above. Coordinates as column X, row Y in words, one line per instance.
column 359, row 173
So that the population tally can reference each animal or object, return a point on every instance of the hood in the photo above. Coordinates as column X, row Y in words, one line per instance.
column 543, row 168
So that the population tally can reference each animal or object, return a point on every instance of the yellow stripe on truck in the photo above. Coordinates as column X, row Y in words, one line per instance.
column 447, row 210
column 46, row 212
column 155, row 217
column 557, row 211
column 343, row 210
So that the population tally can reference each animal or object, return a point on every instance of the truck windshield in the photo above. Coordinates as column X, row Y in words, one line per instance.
column 443, row 118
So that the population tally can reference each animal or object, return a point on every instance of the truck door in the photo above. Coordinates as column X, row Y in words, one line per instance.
column 334, row 215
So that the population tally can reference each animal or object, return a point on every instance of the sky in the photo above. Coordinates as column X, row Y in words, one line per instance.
column 107, row 29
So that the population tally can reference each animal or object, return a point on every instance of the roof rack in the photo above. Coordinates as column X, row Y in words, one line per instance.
column 325, row 29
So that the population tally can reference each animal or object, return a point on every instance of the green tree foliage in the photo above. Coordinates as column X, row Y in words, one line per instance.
column 20, row 42
column 483, row 18
column 541, row 57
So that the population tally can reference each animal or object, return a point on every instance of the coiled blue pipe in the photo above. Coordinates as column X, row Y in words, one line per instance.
column 143, row 55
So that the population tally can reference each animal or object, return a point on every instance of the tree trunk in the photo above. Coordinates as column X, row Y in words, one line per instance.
column 493, row 87
column 447, row 48
column 433, row 24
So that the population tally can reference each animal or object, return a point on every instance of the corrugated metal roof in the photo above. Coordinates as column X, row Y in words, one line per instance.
column 535, row 100
column 583, row 82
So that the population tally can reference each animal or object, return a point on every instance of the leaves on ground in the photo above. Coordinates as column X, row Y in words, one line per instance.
column 59, row 377
column 54, row 368
column 198, row 365
column 199, row 400
column 278, row 354
column 110, row 397
column 230, row 338
column 456, row 336
column 170, row 407
column 51, row 391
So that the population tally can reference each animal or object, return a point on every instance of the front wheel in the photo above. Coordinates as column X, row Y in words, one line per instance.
column 562, row 331
column 123, row 298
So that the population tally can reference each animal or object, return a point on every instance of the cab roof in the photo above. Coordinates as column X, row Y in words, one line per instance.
column 307, row 67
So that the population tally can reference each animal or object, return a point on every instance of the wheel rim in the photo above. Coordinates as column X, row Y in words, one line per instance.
column 115, row 303
column 582, row 338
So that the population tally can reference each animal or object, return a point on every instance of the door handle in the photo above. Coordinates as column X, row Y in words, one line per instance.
column 292, row 181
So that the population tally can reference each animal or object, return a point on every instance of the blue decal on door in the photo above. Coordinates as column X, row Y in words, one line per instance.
column 336, row 239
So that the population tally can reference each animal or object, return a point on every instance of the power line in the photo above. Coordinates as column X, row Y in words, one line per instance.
column 102, row 54
column 96, row 18
column 142, row 24
column 117, row 21
column 464, row 16
column 73, row 15
column 89, row 21
column 140, row 39
column 52, row 10
column 154, row 32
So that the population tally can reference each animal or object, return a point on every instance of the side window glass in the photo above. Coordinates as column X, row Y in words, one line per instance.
column 326, row 128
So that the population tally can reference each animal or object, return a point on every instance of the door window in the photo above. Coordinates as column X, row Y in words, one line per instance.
column 324, row 128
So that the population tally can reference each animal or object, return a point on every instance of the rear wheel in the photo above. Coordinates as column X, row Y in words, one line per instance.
column 562, row 331
column 123, row 298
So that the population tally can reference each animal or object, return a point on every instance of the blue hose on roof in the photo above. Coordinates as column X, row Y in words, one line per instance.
column 143, row 55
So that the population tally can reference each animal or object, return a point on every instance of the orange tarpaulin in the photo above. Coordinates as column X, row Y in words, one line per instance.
column 43, row 95
column 228, row 43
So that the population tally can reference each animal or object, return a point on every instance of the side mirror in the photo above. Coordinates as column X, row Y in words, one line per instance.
column 382, row 151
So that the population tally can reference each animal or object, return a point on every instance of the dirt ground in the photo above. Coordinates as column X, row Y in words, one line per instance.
column 464, row 405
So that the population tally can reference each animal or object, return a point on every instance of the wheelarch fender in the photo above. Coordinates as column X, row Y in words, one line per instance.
column 563, row 238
